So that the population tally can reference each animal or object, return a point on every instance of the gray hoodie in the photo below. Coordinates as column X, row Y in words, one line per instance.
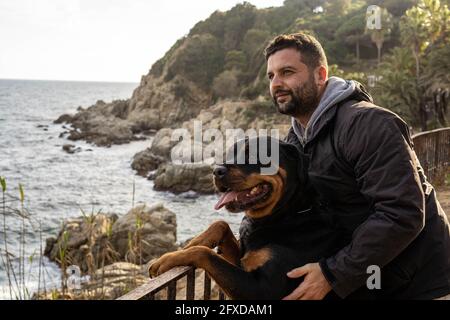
column 336, row 91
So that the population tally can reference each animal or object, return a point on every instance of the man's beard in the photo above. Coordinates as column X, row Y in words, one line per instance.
column 304, row 100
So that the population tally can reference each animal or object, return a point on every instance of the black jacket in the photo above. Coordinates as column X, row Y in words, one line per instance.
column 369, row 182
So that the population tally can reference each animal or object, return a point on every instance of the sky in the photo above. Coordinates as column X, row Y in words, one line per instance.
column 96, row 40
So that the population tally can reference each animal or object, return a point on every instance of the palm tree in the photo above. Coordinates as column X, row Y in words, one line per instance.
column 352, row 32
column 422, row 28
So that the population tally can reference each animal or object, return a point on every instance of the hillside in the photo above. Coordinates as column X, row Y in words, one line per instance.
column 221, row 58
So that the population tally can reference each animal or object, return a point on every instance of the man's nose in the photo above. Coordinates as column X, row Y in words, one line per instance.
column 275, row 84
column 220, row 172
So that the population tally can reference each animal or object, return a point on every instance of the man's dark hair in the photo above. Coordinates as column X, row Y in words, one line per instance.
column 311, row 50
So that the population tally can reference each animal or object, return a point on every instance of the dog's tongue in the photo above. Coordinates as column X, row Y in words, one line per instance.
column 227, row 197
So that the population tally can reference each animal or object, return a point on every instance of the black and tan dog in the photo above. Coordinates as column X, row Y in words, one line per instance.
column 279, row 232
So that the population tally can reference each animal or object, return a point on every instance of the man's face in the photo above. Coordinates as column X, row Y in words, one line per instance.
column 292, row 85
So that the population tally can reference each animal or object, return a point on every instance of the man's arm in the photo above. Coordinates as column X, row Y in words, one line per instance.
column 378, row 146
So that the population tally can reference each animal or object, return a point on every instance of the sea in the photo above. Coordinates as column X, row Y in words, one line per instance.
column 55, row 185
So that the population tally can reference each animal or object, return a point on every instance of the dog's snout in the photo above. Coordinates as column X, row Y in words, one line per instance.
column 220, row 171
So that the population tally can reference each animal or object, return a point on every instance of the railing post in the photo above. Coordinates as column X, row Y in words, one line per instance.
column 432, row 149
column 190, row 285
column 207, row 287
column 172, row 290
column 437, row 162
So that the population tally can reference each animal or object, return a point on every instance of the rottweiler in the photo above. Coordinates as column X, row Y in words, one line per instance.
column 279, row 231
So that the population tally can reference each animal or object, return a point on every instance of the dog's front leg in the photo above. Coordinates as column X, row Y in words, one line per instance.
column 219, row 235
column 234, row 281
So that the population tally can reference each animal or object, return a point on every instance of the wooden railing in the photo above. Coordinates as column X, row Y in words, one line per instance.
column 433, row 151
column 168, row 281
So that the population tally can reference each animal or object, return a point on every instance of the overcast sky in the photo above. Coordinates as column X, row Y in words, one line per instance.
column 95, row 40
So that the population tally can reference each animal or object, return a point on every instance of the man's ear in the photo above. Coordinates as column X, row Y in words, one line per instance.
column 321, row 76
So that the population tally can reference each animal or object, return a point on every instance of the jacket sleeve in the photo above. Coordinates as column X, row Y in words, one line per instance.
column 378, row 146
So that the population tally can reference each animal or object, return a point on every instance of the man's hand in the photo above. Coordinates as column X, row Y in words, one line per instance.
column 313, row 287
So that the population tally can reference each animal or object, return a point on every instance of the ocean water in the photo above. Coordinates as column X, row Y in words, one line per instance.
column 58, row 185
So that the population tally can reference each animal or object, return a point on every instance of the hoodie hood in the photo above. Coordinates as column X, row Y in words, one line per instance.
column 337, row 90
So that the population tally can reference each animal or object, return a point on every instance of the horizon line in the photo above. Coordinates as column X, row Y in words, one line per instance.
column 65, row 80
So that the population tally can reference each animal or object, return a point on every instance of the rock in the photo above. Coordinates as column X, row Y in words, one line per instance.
column 152, row 175
column 166, row 103
column 179, row 178
column 187, row 151
column 154, row 105
column 189, row 195
column 224, row 115
column 102, row 131
column 103, row 124
column 83, row 242
column 162, row 143
column 65, row 118
column 90, row 242
column 145, row 232
column 70, row 148
column 146, row 161
column 49, row 244
column 120, row 109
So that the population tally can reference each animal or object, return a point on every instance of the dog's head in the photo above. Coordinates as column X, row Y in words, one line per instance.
column 246, row 183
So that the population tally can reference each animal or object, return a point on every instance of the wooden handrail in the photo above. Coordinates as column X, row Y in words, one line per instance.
column 169, row 280
column 433, row 151
column 147, row 290
column 423, row 133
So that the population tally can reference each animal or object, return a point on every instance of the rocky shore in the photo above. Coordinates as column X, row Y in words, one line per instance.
column 103, row 124
column 112, row 251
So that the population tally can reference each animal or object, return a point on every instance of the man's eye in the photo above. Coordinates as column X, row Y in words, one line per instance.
column 270, row 76
column 286, row 72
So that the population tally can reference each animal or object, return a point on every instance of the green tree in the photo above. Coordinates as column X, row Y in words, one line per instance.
column 303, row 4
column 199, row 59
column 421, row 28
column 237, row 22
column 214, row 25
column 235, row 59
column 337, row 7
column 352, row 32
column 254, row 41
column 397, row 88
column 226, row 84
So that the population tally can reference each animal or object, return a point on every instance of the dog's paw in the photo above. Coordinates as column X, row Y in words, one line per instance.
column 163, row 264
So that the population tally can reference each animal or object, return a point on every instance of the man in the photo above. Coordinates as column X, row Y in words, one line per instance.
column 368, row 181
